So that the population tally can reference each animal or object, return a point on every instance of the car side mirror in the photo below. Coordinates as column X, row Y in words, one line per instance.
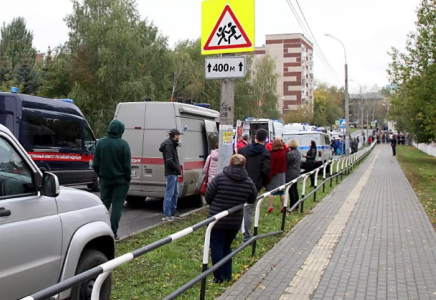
column 50, row 185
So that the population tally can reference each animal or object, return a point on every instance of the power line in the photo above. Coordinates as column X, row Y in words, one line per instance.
column 314, row 39
column 305, row 30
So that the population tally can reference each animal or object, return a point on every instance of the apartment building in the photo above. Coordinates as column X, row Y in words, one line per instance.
column 293, row 54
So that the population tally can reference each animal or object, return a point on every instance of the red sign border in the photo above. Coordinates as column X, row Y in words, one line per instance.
column 235, row 19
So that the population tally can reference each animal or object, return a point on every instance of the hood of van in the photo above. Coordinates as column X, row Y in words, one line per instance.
column 71, row 199
column 115, row 129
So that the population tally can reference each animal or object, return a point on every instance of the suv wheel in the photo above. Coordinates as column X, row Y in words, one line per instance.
column 89, row 259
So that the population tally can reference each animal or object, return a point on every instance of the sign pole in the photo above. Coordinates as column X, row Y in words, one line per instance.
column 227, row 105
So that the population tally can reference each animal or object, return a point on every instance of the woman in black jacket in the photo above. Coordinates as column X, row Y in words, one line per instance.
column 310, row 161
column 228, row 189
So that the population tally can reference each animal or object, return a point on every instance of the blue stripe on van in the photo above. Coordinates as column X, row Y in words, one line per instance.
column 317, row 147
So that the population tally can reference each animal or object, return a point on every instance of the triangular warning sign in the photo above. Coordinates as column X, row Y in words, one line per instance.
column 227, row 33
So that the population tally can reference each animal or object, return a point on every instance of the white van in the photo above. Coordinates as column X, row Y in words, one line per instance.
column 147, row 125
column 251, row 125
column 322, row 140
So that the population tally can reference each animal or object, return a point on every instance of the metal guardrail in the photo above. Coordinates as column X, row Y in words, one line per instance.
column 343, row 165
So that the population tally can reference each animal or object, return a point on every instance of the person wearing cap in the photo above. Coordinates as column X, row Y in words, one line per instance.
column 172, row 170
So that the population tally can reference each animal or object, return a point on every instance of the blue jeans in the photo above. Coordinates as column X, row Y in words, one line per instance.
column 220, row 242
column 171, row 194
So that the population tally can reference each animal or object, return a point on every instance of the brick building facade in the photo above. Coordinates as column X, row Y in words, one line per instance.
column 293, row 54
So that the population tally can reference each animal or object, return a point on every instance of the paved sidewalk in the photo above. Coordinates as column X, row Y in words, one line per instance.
column 369, row 238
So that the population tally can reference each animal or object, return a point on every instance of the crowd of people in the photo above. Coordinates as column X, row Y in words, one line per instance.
column 258, row 165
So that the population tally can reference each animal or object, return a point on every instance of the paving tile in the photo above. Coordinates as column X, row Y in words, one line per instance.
column 387, row 250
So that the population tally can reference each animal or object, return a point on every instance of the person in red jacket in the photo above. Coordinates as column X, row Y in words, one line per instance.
column 243, row 141
column 277, row 176
column 278, row 137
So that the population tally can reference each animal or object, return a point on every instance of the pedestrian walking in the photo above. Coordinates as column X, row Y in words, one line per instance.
column 293, row 167
column 258, row 168
column 228, row 189
column 394, row 145
column 211, row 164
column 310, row 161
column 277, row 175
column 112, row 164
column 172, row 170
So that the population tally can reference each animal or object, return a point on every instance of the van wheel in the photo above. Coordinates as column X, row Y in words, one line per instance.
column 89, row 259
column 95, row 185
column 134, row 200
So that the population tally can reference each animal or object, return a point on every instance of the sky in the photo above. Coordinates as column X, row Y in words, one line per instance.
column 367, row 28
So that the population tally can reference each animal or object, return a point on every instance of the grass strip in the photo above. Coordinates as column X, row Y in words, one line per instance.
column 419, row 168
column 162, row 271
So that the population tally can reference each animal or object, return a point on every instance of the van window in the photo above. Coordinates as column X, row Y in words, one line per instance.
column 89, row 141
column 15, row 176
column 52, row 132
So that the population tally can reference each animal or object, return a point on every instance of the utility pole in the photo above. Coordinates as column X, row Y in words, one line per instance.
column 227, row 105
column 347, row 110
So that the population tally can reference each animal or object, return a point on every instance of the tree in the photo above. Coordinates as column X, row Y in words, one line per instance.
column 414, row 72
column 264, row 85
column 303, row 114
column 115, row 57
column 16, row 42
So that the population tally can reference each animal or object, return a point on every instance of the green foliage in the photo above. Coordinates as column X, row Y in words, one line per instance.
column 115, row 57
column 16, row 42
column 413, row 104
column 264, row 84
column 326, row 109
column 17, row 57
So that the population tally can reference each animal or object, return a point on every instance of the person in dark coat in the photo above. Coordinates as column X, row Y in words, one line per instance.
column 293, row 167
column 228, row 189
column 172, row 170
column 394, row 145
column 112, row 164
column 258, row 168
column 310, row 161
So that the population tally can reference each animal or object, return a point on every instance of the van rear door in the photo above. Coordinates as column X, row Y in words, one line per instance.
column 132, row 115
column 8, row 113
column 211, row 136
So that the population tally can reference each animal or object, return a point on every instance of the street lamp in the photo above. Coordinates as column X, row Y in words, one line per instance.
column 347, row 112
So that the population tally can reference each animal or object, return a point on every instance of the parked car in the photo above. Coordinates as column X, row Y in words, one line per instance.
column 48, row 233
column 56, row 135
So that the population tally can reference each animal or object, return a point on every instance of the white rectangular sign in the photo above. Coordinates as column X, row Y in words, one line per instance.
column 225, row 67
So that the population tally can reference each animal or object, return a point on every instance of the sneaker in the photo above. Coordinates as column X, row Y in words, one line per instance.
column 168, row 219
column 176, row 215
column 270, row 210
column 117, row 238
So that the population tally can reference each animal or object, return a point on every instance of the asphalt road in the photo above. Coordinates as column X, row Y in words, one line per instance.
column 136, row 218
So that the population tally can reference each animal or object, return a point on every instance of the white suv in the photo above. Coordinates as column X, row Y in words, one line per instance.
column 47, row 233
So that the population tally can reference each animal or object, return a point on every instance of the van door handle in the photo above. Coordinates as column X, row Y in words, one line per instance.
column 4, row 212
column 202, row 156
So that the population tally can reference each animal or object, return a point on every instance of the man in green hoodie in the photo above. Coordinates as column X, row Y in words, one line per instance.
column 112, row 163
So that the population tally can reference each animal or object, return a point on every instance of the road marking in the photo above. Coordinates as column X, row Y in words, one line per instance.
column 308, row 277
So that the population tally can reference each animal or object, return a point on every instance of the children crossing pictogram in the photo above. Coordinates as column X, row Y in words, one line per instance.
column 227, row 33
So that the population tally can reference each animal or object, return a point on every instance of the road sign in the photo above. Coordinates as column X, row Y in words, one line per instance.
column 342, row 123
column 227, row 26
column 225, row 67
column 337, row 122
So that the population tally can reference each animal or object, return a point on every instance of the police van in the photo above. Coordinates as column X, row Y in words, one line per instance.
column 251, row 125
column 147, row 125
column 54, row 133
column 303, row 138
